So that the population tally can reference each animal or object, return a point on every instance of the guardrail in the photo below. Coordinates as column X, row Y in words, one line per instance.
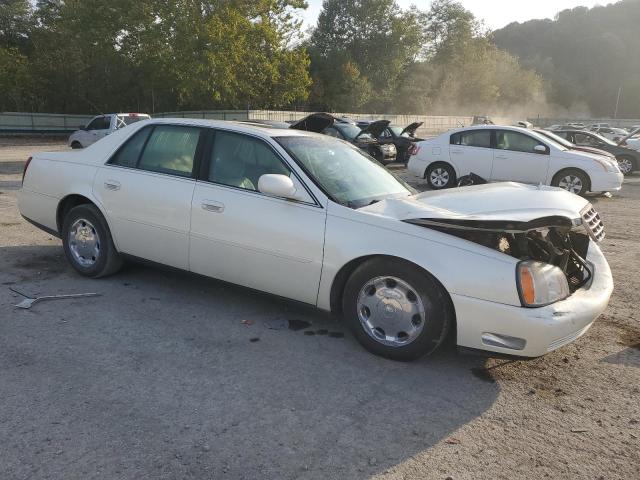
column 19, row 123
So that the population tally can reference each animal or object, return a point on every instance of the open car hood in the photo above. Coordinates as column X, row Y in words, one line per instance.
column 411, row 128
column 495, row 206
column 316, row 122
column 375, row 128
column 631, row 134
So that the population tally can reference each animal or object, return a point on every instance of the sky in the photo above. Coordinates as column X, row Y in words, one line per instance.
column 495, row 13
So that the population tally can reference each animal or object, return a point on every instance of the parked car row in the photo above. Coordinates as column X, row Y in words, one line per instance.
column 505, row 267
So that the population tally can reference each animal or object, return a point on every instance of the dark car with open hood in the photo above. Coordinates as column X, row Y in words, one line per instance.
column 404, row 138
column 363, row 138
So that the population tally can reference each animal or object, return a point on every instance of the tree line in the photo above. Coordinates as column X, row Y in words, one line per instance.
column 74, row 56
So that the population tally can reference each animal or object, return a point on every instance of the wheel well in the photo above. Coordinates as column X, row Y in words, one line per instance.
column 341, row 278
column 66, row 204
column 630, row 158
column 440, row 162
column 571, row 169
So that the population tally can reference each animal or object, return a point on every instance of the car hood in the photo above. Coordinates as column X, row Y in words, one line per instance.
column 375, row 128
column 411, row 128
column 596, row 151
column 316, row 122
column 494, row 203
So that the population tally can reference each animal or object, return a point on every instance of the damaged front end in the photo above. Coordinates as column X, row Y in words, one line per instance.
column 555, row 240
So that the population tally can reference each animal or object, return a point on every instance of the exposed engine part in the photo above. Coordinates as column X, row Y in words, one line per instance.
column 554, row 240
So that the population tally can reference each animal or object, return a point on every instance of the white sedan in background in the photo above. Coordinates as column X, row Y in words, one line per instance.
column 500, row 153
column 509, row 268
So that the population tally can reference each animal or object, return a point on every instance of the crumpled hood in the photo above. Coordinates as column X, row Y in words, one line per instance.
column 506, row 201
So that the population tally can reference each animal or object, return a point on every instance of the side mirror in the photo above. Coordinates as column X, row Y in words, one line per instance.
column 82, row 127
column 277, row 185
column 540, row 149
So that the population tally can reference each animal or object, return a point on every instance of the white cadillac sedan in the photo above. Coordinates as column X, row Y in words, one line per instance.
column 507, row 267
column 500, row 153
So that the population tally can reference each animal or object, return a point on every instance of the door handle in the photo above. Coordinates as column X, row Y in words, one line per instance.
column 456, row 151
column 112, row 185
column 212, row 206
column 501, row 157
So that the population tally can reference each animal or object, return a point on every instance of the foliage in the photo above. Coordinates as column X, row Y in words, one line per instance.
column 585, row 55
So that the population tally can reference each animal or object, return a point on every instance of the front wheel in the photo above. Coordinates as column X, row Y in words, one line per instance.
column 76, row 145
column 396, row 310
column 573, row 181
column 87, row 242
column 626, row 165
column 440, row 176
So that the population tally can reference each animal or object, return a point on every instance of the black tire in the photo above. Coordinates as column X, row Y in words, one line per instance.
column 438, row 311
column 626, row 164
column 559, row 180
column 107, row 261
column 76, row 145
column 377, row 154
column 440, row 176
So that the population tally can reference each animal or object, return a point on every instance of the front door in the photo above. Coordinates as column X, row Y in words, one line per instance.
column 146, row 190
column 248, row 238
column 98, row 128
column 516, row 159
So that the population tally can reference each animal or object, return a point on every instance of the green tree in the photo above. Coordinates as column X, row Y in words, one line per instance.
column 371, row 41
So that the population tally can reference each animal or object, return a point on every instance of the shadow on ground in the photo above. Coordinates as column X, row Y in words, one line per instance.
column 170, row 375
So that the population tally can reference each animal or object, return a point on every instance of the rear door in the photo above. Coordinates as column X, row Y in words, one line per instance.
column 516, row 159
column 146, row 189
column 470, row 152
column 243, row 236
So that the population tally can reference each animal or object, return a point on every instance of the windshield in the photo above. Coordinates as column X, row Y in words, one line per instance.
column 350, row 132
column 603, row 139
column 344, row 172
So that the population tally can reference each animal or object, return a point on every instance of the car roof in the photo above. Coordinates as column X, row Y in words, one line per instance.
column 238, row 126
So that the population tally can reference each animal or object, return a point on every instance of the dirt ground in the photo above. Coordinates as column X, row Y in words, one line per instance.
column 168, row 375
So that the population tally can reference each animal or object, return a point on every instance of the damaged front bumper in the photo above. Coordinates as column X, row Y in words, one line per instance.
column 532, row 332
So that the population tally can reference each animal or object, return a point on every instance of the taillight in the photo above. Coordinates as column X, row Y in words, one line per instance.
column 26, row 165
column 414, row 149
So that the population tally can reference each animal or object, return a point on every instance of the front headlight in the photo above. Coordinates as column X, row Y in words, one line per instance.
column 540, row 283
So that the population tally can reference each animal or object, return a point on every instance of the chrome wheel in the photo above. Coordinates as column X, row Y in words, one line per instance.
column 571, row 183
column 439, row 177
column 390, row 311
column 84, row 242
column 625, row 165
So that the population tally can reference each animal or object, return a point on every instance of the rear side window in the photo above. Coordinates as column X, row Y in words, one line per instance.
column 129, row 154
column 474, row 138
column 171, row 149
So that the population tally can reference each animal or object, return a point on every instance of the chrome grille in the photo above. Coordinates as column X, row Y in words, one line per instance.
column 593, row 223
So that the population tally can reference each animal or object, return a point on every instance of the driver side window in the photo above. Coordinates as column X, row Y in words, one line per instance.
column 99, row 123
column 239, row 161
column 516, row 142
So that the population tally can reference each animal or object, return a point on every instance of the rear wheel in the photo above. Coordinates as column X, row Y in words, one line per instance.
column 440, row 175
column 76, row 145
column 87, row 242
column 573, row 181
column 396, row 310
column 626, row 164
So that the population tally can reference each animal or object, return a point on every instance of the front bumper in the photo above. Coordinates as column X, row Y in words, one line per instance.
column 606, row 181
column 539, row 330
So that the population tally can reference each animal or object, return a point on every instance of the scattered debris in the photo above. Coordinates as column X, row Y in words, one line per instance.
column 248, row 323
column 296, row 325
column 28, row 301
column 254, row 339
column 579, row 430
column 453, row 441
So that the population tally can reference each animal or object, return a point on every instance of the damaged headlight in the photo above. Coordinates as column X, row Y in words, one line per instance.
column 540, row 283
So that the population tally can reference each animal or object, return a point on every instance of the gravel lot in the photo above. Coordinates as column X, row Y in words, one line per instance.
column 168, row 375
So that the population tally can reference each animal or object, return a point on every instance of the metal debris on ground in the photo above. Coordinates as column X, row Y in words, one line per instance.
column 28, row 301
